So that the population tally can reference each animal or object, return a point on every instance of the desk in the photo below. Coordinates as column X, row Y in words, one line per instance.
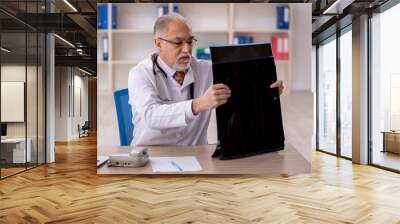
column 391, row 141
column 15, row 148
column 286, row 162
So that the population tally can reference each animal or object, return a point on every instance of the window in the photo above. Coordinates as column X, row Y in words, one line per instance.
column 346, row 93
column 327, row 97
column 385, row 89
column 22, row 77
column 334, row 106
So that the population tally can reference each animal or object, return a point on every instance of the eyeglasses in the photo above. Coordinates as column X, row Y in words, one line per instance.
column 190, row 41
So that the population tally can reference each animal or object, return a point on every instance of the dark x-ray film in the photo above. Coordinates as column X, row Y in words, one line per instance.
column 250, row 122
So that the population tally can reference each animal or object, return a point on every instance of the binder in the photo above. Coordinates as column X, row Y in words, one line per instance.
column 282, row 17
column 164, row 9
column 203, row 53
column 105, row 49
column 285, row 49
column 242, row 40
column 114, row 17
column 175, row 9
column 280, row 47
column 102, row 16
column 274, row 43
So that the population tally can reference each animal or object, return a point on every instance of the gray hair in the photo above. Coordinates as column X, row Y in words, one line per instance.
column 162, row 22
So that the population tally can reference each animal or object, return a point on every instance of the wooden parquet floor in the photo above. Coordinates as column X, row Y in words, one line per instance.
column 70, row 191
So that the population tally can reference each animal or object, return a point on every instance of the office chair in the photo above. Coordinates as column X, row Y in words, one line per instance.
column 124, row 116
column 84, row 129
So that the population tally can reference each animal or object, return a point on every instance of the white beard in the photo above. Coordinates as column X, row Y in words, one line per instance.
column 182, row 67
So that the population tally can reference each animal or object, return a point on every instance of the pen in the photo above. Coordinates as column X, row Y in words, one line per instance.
column 176, row 165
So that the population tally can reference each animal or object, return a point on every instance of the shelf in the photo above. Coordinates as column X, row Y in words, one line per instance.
column 202, row 16
column 261, row 30
column 132, row 31
column 129, row 47
column 134, row 62
column 212, row 25
column 210, row 31
column 125, row 62
column 151, row 31
column 118, row 62
column 280, row 62
column 102, row 31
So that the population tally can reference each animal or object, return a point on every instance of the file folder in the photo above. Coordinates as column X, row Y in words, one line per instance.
column 114, row 17
column 105, row 49
column 282, row 19
column 280, row 47
column 102, row 16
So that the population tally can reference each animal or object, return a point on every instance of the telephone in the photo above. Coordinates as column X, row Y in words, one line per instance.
column 136, row 158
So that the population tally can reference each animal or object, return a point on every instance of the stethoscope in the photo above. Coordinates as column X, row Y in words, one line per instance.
column 157, row 68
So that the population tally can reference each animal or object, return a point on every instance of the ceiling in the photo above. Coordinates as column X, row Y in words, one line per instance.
column 76, row 26
column 330, row 15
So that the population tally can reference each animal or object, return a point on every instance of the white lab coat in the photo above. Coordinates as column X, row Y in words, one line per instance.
column 161, row 108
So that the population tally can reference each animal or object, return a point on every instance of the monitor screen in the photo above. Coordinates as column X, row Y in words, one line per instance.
column 251, row 121
column 3, row 129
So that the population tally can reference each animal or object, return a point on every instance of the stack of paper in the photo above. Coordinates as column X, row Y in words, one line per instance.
column 175, row 164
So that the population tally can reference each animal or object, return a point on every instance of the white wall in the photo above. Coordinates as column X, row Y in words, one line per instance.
column 17, row 73
column 33, row 126
column 67, row 82
column 81, row 83
column 301, row 47
column 61, row 103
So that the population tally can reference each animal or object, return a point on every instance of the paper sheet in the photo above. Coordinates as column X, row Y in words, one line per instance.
column 101, row 160
column 182, row 164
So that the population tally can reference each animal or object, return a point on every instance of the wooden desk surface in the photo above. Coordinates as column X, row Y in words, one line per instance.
column 282, row 163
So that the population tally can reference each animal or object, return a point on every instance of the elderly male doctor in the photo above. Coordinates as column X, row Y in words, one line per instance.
column 172, row 93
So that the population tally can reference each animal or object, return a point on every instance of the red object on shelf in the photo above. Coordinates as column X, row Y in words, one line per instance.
column 285, row 50
column 280, row 47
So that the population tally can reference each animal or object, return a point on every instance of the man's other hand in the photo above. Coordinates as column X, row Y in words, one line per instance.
column 278, row 84
column 215, row 96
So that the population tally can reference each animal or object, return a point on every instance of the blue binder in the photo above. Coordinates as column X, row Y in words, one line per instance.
column 102, row 17
column 165, row 9
column 105, row 48
column 243, row 40
column 114, row 16
column 282, row 17
column 176, row 9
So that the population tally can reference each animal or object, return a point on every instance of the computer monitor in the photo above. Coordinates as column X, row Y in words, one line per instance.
column 250, row 122
column 3, row 129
